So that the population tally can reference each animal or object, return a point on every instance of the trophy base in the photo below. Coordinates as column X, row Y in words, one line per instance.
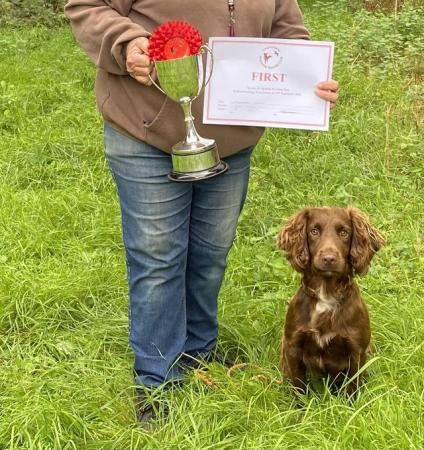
column 220, row 168
column 199, row 162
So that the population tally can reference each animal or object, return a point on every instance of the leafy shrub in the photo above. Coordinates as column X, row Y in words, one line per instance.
column 32, row 12
column 382, row 5
column 395, row 39
column 376, row 5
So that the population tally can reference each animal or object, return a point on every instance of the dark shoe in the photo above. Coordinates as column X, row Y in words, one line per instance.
column 187, row 362
column 200, row 360
column 223, row 360
column 147, row 408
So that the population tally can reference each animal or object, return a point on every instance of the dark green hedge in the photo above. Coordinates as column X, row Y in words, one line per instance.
column 32, row 12
column 50, row 12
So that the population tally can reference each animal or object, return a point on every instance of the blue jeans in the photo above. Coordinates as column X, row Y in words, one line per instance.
column 177, row 237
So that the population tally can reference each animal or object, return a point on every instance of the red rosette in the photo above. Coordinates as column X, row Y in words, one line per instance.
column 174, row 39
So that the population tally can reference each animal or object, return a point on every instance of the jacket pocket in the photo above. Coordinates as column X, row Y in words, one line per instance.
column 151, row 125
column 167, row 127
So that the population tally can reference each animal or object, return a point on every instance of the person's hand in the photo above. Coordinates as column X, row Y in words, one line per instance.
column 139, row 65
column 328, row 90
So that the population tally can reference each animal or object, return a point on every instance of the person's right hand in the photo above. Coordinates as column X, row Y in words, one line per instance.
column 139, row 65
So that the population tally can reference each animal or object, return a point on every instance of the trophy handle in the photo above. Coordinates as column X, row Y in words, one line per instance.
column 155, row 84
column 207, row 49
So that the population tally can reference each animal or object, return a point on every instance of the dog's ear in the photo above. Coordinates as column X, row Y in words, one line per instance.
column 366, row 242
column 293, row 240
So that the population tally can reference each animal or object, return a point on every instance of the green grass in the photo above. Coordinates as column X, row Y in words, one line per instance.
column 65, row 378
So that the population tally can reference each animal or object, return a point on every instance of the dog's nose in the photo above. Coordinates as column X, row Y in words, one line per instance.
column 328, row 259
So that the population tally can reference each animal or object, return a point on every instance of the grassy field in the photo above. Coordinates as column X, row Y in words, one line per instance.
column 65, row 378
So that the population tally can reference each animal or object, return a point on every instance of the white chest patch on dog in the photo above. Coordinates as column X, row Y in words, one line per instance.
column 325, row 304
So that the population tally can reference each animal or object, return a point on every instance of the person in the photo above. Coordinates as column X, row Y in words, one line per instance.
column 176, row 235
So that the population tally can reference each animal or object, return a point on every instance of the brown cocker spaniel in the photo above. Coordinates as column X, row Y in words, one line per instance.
column 327, row 328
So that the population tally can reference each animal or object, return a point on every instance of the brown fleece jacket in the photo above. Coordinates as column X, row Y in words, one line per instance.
column 104, row 27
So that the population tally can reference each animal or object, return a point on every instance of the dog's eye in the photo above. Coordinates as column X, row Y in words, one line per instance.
column 344, row 233
column 314, row 232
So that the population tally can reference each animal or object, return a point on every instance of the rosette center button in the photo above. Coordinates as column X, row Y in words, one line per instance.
column 176, row 48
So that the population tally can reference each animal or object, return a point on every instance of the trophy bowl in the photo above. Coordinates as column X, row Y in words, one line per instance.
column 182, row 80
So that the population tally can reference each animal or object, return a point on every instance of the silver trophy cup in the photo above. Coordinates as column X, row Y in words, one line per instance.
column 182, row 80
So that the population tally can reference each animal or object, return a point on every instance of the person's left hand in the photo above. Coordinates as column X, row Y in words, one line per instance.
column 328, row 90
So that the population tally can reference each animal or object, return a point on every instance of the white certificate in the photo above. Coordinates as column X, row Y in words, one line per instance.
column 268, row 82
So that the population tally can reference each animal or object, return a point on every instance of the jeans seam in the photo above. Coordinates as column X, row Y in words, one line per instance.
column 124, row 227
